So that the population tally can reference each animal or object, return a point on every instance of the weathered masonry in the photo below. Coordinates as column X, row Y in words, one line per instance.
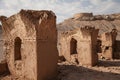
column 79, row 45
column 31, row 44
column 78, row 42
column 108, row 41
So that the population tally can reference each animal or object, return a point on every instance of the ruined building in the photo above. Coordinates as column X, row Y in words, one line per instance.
column 107, row 41
column 31, row 44
column 78, row 43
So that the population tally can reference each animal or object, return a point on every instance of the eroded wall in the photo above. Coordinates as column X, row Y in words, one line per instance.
column 47, row 54
column 2, row 56
column 13, row 28
column 108, row 44
column 32, row 35
column 86, row 46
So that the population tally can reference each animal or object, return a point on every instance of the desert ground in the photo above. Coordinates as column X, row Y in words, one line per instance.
column 105, row 70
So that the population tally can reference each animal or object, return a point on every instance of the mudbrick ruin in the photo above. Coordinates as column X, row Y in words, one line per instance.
column 85, row 35
column 35, row 48
column 30, row 42
column 79, row 45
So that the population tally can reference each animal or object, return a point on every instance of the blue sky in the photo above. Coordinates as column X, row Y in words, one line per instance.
column 63, row 8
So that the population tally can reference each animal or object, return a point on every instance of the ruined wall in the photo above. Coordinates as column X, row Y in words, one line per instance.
column 88, row 46
column 47, row 54
column 13, row 28
column 108, row 44
column 46, row 42
column 1, row 46
column 2, row 56
column 31, row 44
column 86, row 43
column 105, row 23
column 3, row 63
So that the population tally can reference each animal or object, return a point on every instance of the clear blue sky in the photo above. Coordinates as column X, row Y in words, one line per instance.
column 63, row 8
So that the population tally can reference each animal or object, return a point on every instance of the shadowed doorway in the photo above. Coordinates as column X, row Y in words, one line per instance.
column 17, row 48
column 73, row 46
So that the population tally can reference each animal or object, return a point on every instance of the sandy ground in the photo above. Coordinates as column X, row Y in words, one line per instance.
column 105, row 70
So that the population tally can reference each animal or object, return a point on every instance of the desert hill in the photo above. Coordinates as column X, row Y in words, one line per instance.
column 103, row 22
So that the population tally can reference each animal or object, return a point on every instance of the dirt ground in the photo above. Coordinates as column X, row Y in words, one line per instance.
column 105, row 70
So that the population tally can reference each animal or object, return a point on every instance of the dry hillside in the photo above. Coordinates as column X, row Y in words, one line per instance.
column 104, row 22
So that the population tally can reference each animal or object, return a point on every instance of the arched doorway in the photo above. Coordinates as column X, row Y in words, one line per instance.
column 73, row 51
column 17, row 49
column 73, row 46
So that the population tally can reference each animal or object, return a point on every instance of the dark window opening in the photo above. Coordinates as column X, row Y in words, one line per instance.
column 99, row 42
column 73, row 46
column 17, row 48
column 98, row 46
column 107, row 47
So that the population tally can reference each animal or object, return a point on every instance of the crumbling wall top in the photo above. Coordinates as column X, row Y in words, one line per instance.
column 88, row 29
column 114, row 31
column 34, row 15
column 109, row 36
column 3, row 18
